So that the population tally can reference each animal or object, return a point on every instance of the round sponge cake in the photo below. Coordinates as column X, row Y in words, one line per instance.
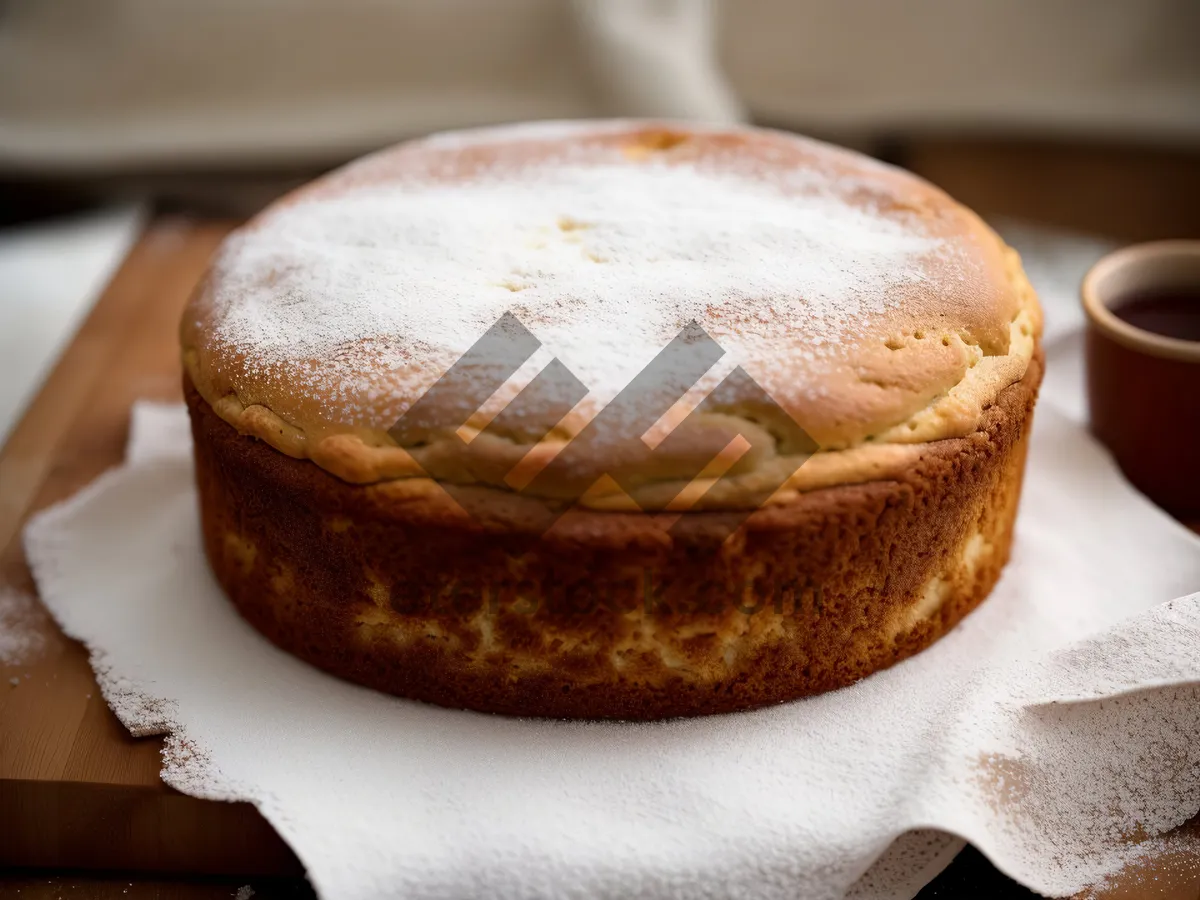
column 755, row 427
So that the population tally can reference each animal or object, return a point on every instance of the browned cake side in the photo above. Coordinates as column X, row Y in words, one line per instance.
column 391, row 586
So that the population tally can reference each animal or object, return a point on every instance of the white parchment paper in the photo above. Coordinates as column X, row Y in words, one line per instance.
column 1054, row 728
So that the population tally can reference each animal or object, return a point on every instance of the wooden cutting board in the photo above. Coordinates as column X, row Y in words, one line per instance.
column 75, row 789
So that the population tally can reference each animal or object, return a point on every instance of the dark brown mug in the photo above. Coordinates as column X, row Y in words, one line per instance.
column 1144, row 387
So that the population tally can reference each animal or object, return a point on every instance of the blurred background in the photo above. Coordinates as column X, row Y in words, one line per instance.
column 1082, row 115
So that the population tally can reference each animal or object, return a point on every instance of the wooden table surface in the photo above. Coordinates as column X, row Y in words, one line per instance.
column 76, row 791
column 75, row 788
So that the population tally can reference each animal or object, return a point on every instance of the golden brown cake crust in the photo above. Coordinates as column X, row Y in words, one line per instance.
column 608, row 616
column 874, row 310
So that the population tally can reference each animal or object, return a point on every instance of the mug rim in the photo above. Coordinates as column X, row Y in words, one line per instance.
column 1119, row 330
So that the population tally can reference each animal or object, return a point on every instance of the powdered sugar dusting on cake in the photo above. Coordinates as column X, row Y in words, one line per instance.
column 379, row 288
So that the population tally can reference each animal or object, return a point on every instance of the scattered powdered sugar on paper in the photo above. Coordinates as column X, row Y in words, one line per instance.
column 140, row 712
column 1101, row 774
column 1166, row 866
column 865, row 790
column 22, row 628
column 186, row 766
column 604, row 263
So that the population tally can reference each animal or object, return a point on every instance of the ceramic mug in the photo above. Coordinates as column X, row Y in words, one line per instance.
column 1144, row 387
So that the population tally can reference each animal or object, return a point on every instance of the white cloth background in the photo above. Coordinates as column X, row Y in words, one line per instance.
column 100, row 84
column 1053, row 728
column 50, row 275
